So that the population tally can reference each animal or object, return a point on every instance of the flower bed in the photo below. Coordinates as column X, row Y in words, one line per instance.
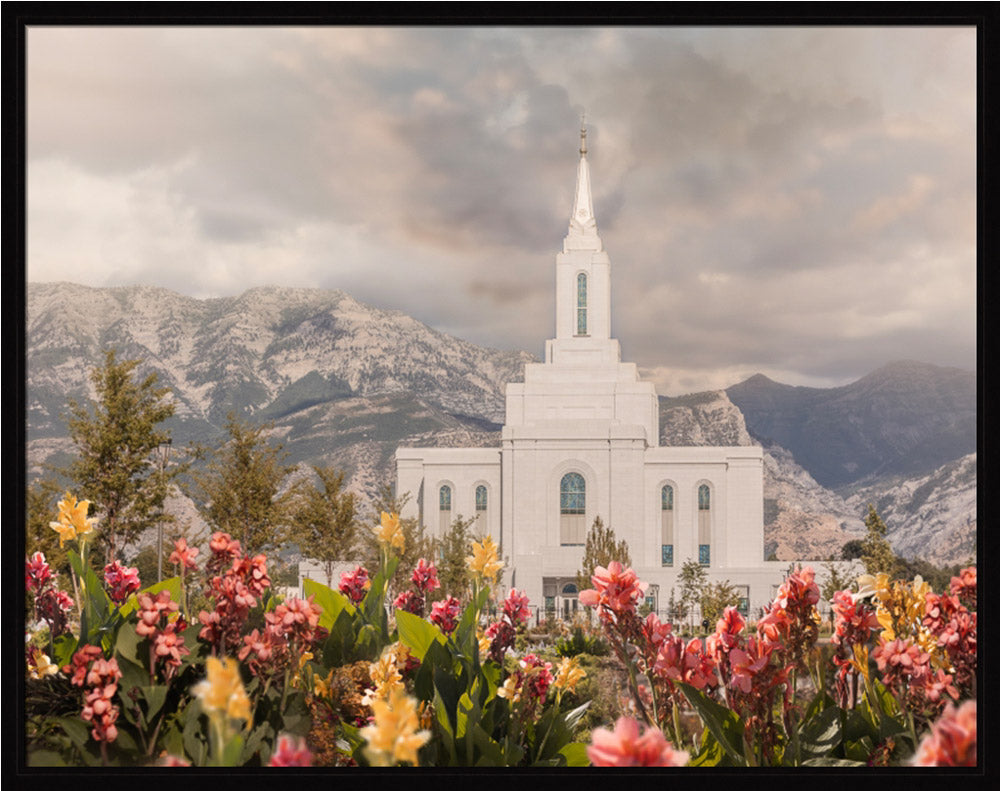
column 116, row 676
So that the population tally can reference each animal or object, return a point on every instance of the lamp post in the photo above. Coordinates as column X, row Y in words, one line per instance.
column 163, row 450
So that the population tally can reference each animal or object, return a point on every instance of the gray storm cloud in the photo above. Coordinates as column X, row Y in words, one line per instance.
column 787, row 200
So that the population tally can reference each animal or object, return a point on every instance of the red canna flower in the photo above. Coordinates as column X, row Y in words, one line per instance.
column 445, row 614
column 36, row 573
column 425, row 577
column 355, row 584
column 616, row 589
column 183, row 555
column 121, row 581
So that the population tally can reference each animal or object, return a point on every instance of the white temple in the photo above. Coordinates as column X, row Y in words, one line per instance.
column 581, row 440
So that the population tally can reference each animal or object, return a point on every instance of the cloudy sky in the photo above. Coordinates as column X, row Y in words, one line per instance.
column 799, row 202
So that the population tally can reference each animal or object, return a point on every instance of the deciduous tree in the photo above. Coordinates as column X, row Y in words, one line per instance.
column 324, row 519
column 116, row 439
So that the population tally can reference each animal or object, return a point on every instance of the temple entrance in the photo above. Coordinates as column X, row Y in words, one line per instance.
column 561, row 597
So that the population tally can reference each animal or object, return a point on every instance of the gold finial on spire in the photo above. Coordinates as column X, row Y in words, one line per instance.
column 583, row 134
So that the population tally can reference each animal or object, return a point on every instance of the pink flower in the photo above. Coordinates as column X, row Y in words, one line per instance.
column 901, row 660
column 183, row 555
column 355, row 584
column 952, row 738
column 745, row 665
column 292, row 751
column 687, row 663
column 425, row 577
column 964, row 585
column 727, row 632
column 36, row 573
column 297, row 621
column 445, row 614
column 615, row 588
column 855, row 620
column 121, row 581
column 172, row 760
column 625, row 746
column 515, row 607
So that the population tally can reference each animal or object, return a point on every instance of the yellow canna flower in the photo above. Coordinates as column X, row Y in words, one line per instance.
column 321, row 686
column 569, row 674
column 385, row 673
column 39, row 664
column 394, row 735
column 484, row 560
column 222, row 690
column 484, row 645
column 389, row 533
column 73, row 521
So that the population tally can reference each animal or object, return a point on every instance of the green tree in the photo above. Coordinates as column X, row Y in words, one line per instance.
column 455, row 547
column 240, row 489
column 600, row 550
column 852, row 549
column 715, row 597
column 324, row 519
column 693, row 579
column 876, row 553
column 116, row 440
column 834, row 582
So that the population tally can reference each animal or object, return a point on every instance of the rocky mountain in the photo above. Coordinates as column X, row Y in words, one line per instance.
column 345, row 384
column 906, row 418
column 331, row 373
column 930, row 516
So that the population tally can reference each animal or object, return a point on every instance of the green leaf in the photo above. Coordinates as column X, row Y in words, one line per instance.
column 45, row 758
column 128, row 642
column 575, row 754
column 572, row 717
column 465, row 632
column 827, row 761
column 330, row 601
column 63, row 648
column 155, row 697
column 77, row 730
column 821, row 733
column 858, row 750
column 448, row 691
column 710, row 753
column 417, row 634
column 232, row 751
column 724, row 724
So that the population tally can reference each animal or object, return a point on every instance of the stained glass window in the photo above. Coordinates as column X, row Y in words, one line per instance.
column 667, row 498
column 667, row 558
column 480, row 498
column 572, row 494
column 703, row 498
column 581, row 304
column 445, row 498
column 704, row 554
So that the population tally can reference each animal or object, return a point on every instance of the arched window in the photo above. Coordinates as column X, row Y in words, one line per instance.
column 704, row 525
column 572, row 510
column 482, row 505
column 581, row 304
column 667, row 525
column 444, row 505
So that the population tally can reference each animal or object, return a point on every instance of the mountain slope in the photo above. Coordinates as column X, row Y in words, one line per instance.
column 906, row 418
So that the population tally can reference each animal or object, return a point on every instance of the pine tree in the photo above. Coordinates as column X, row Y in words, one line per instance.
column 241, row 487
column 600, row 550
column 324, row 519
column 116, row 440
column 876, row 553
column 455, row 548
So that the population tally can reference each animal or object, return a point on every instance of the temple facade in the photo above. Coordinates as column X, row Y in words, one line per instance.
column 580, row 441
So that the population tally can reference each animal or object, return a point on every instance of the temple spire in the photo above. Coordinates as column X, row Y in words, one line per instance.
column 582, row 222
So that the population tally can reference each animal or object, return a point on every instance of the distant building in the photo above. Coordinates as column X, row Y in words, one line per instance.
column 581, row 440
